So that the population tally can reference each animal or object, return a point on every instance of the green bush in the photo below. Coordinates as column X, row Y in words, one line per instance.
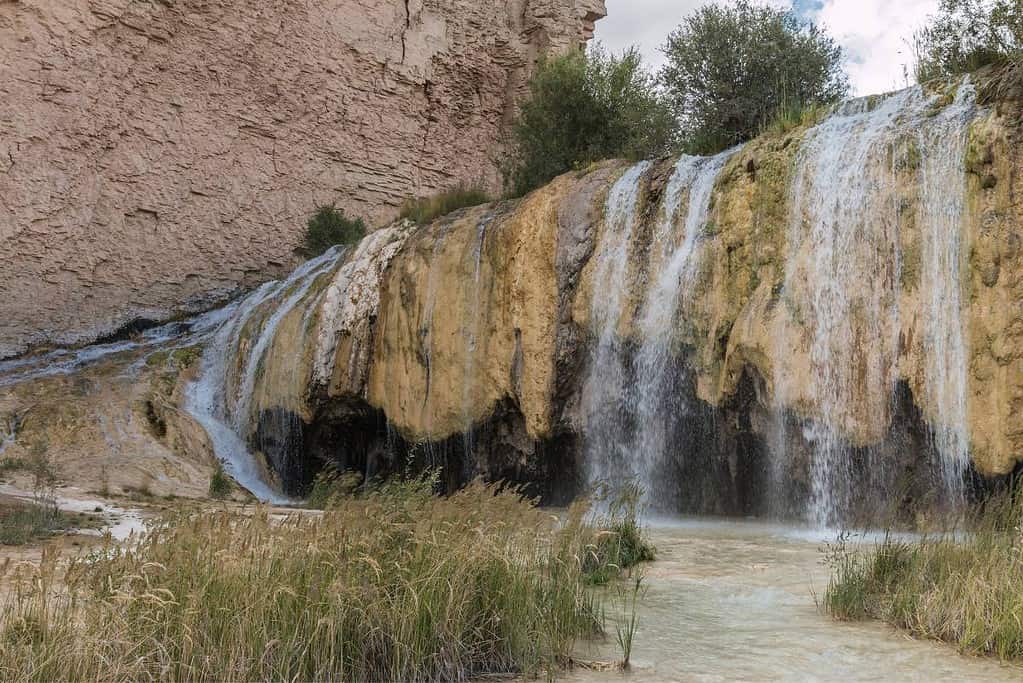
column 221, row 486
column 966, row 35
column 731, row 68
column 427, row 209
column 584, row 107
column 329, row 227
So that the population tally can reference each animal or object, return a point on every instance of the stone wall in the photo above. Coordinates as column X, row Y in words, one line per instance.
column 156, row 155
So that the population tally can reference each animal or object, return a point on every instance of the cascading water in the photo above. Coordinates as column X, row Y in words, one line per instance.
column 844, row 252
column 843, row 228
column 657, row 403
column 943, row 144
column 223, row 407
column 632, row 403
column 473, row 334
column 606, row 388
column 167, row 337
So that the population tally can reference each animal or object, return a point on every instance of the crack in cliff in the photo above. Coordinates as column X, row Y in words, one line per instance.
column 404, row 33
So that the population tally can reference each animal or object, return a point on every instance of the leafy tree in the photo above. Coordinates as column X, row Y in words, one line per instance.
column 583, row 107
column 967, row 34
column 731, row 68
column 328, row 227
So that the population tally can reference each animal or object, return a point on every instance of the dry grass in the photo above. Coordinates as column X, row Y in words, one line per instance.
column 394, row 585
column 22, row 522
column 427, row 209
column 965, row 589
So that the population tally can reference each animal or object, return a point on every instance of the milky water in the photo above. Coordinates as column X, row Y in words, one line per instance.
column 734, row 601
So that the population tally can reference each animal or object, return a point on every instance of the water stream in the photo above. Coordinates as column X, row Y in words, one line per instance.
column 844, row 240
column 659, row 404
column 734, row 601
column 943, row 146
column 607, row 387
column 223, row 404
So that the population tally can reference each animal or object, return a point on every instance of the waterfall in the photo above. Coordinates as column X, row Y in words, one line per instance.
column 606, row 387
column 631, row 398
column 943, row 146
column 658, row 403
column 473, row 335
column 842, row 276
column 221, row 403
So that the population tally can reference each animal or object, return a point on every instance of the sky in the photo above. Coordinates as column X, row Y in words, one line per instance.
column 875, row 34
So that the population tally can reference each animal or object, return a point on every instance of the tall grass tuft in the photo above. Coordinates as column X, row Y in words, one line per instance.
column 393, row 585
column 965, row 589
column 23, row 522
column 619, row 542
column 427, row 209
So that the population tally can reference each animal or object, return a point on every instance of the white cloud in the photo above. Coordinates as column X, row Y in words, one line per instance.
column 876, row 34
column 877, row 37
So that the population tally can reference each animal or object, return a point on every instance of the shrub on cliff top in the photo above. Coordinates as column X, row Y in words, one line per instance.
column 330, row 227
column 966, row 35
column 732, row 67
column 584, row 107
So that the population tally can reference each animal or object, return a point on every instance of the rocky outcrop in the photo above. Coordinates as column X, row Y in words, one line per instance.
column 158, row 155
column 774, row 319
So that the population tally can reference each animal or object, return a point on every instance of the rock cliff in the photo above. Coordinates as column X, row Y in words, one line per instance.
column 158, row 155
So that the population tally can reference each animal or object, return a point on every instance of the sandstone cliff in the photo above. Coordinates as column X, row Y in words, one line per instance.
column 155, row 156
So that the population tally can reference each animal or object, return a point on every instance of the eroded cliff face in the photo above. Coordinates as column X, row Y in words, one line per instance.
column 825, row 319
column 157, row 156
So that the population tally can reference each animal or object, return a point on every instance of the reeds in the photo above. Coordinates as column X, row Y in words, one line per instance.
column 393, row 585
column 965, row 588
column 427, row 209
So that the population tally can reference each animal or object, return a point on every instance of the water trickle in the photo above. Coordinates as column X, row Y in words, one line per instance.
column 221, row 403
column 62, row 362
column 943, row 146
column 9, row 432
column 473, row 333
column 658, row 402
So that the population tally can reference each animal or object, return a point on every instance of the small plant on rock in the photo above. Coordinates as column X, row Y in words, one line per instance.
column 330, row 227
column 427, row 209
column 221, row 486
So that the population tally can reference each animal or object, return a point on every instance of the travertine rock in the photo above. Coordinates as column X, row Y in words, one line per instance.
column 156, row 155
